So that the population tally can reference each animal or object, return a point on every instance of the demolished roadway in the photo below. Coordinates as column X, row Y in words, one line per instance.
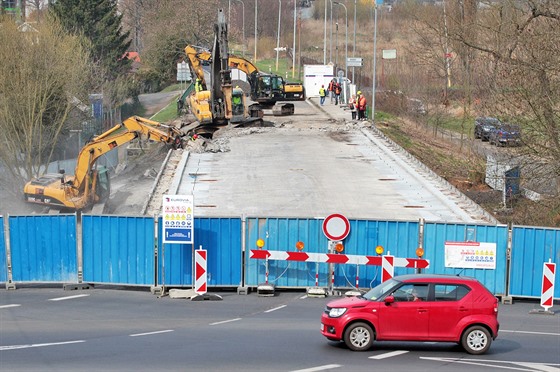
column 310, row 165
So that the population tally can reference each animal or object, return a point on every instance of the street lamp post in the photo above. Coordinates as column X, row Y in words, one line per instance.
column 256, row 12
column 325, row 37
column 330, row 48
column 243, row 17
column 294, row 46
column 374, row 60
column 354, row 46
column 336, row 46
column 346, row 34
column 278, row 37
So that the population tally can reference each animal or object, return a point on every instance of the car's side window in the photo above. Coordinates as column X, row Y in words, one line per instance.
column 450, row 292
column 411, row 293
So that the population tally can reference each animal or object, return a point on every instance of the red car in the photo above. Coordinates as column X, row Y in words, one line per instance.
column 419, row 307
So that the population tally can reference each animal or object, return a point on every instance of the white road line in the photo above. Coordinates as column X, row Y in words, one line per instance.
column 531, row 332
column 276, row 308
column 320, row 368
column 225, row 321
column 389, row 355
column 15, row 347
column 68, row 297
column 151, row 333
column 303, row 297
column 8, row 306
column 488, row 363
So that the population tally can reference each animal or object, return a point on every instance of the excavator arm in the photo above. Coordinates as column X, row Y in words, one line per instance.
column 266, row 89
column 83, row 188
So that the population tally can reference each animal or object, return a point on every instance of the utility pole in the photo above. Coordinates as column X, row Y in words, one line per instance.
column 374, row 62
column 278, row 35
column 354, row 47
column 325, row 37
column 294, row 46
column 256, row 12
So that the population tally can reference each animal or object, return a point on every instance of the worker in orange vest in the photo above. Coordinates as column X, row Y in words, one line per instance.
column 362, row 104
column 331, row 88
column 337, row 91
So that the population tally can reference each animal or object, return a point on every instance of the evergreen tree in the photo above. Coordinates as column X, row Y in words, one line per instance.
column 99, row 22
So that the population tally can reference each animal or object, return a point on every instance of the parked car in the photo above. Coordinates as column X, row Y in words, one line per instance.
column 505, row 135
column 417, row 307
column 483, row 126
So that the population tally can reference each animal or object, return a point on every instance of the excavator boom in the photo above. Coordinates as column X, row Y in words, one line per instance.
column 85, row 188
column 266, row 89
column 216, row 103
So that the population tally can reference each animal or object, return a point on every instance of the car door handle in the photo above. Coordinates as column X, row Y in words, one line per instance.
column 463, row 309
column 422, row 310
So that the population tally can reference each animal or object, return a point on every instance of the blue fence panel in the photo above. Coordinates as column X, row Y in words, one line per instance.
column 221, row 237
column 281, row 234
column 118, row 250
column 3, row 253
column 43, row 248
column 531, row 248
column 436, row 234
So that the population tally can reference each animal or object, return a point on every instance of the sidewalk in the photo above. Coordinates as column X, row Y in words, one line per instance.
column 336, row 112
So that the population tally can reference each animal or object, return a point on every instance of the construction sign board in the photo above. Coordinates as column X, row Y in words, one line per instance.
column 178, row 219
column 470, row 255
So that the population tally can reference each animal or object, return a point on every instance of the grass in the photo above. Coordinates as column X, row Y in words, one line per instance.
column 173, row 87
column 284, row 68
column 452, row 123
column 168, row 113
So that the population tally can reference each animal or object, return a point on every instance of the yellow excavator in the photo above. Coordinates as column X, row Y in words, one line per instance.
column 90, row 183
column 217, row 103
column 269, row 91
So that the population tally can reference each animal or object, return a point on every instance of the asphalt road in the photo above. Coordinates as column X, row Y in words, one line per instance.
column 47, row 329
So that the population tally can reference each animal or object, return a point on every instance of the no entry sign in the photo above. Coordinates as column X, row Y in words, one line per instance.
column 336, row 227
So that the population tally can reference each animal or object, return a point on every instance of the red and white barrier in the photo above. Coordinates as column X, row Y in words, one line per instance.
column 387, row 267
column 200, row 271
column 413, row 263
column 547, row 292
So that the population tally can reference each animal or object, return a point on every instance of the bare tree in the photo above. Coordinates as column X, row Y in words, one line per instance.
column 519, row 44
column 43, row 77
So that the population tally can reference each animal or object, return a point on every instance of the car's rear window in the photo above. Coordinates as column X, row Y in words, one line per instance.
column 450, row 292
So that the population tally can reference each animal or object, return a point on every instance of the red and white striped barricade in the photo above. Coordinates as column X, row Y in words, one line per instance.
column 200, row 271
column 547, row 292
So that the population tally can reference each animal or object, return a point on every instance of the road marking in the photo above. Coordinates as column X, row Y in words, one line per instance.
column 320, row 368
column 8, row 306
column 68, row 297
column 531, row 332
column 303, row 297
column 389, row 355
column 545, row 367
column 225, row 321
column 276, row 308
column 151, row 333
column 16, row 347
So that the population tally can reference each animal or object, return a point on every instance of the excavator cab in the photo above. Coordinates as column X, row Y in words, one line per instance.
column 102, row 183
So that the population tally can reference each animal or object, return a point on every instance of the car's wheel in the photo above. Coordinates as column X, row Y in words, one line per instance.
column 359, row 337
column 476, row 340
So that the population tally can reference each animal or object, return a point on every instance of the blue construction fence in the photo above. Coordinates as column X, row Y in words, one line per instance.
column 124, row 250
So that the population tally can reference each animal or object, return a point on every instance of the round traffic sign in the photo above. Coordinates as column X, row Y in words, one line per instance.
column 336, row 227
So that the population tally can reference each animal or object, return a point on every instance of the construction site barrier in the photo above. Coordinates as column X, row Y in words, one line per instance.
column 127, row 250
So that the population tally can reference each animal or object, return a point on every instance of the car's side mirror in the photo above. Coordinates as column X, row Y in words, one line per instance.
column 389, row 300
